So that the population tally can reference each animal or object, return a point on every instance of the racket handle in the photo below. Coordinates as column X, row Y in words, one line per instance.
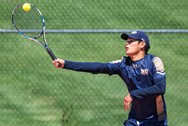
column 51, row 54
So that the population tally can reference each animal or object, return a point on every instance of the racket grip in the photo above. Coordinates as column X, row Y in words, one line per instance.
column 51, row 54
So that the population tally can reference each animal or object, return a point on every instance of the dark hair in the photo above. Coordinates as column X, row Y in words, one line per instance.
column 147, row 49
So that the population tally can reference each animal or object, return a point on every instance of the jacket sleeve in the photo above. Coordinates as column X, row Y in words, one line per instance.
column 158, row 88
column 91, row 67
column 159, row 80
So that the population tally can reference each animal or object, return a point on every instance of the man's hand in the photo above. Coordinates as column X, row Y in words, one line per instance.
column 127, row 101
column 59, row 63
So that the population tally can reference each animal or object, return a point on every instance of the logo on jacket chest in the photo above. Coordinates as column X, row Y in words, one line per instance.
column 144, row 71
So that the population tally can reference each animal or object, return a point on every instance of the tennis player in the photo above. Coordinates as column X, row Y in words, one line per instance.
column 144, row 75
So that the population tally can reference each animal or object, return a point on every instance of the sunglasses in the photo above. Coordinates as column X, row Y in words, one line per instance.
column 131, row 41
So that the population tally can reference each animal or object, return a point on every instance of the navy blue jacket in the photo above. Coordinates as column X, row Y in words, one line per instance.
column 145, row 80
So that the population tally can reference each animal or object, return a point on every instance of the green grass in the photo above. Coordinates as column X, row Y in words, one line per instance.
column 106, row 14
column 33, row 92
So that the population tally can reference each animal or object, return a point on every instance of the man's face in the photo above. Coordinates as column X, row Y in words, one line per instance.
column 132, row 47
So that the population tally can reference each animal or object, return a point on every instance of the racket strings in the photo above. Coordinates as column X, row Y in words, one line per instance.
column 28, row 23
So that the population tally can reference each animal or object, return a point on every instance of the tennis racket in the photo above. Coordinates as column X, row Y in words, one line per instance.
column 31, row 25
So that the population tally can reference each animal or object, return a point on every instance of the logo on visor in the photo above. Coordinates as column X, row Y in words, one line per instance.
column 134, row 32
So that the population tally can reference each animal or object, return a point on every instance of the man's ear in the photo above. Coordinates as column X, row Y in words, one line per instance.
column 142, row 44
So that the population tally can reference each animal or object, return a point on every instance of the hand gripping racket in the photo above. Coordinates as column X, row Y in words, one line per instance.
column 31, row 25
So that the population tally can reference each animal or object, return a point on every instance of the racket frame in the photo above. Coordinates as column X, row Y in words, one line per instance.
column 42, row 32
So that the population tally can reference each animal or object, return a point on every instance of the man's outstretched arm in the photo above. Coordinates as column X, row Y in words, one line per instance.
column 91, row 67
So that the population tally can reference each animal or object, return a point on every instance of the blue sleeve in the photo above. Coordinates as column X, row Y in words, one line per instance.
column 158, row 88
column 114, row 68
column 91, row 67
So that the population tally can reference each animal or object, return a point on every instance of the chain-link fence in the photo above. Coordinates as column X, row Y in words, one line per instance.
column 34, row 93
